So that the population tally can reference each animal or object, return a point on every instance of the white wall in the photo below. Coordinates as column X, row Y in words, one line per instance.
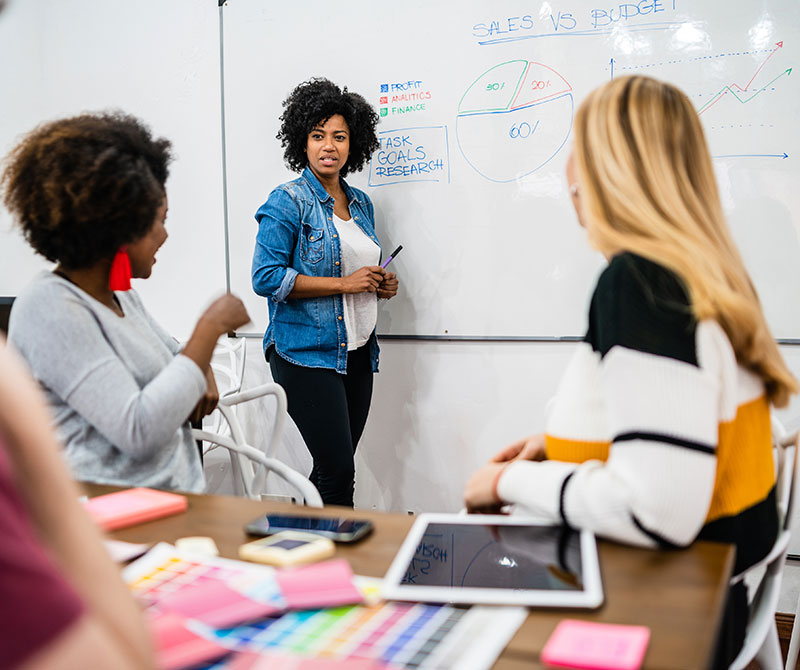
column 157, row 60
column 440, row 410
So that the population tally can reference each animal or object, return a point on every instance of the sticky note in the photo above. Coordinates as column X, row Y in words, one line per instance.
column 132, row 506
column 596, row 646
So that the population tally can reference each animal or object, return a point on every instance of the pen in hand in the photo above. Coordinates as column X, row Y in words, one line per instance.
column 391, row 256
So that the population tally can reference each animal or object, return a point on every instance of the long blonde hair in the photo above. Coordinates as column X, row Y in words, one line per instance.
column 647, row 186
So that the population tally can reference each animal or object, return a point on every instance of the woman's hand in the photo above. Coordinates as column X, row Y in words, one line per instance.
column 208, row 403
column 225, row 314
column 527, row 449
column 388, row 287
column 480, row 493
column 364, row 280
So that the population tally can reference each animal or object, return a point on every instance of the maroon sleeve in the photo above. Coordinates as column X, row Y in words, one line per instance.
column 36, row 603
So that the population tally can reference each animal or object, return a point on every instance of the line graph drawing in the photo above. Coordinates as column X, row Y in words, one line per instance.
column 778, row 45
column 728, row 88
column 743, row 93
column 513, row 119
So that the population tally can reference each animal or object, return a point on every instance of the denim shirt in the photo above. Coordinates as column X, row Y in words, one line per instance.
column 296, row 235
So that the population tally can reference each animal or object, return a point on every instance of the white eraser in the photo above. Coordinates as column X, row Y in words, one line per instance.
column 198, row 545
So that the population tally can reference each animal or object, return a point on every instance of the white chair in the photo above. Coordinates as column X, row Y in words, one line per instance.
column 227, row 364
column 794, row 640
column 249, row 466
column 761, row 639
column 235, row 350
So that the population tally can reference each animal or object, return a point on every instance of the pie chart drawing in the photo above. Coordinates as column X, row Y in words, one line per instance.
column 513, row 119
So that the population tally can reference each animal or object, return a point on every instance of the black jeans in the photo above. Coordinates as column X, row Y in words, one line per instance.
column 330, row 410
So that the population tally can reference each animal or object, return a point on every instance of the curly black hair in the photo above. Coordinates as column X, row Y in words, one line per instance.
column 82, row 187
column 311, row 104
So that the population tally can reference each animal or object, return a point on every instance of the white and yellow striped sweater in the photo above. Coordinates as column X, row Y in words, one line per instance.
column 656, row 435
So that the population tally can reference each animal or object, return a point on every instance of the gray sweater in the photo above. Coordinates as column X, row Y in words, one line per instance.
column 119, row 389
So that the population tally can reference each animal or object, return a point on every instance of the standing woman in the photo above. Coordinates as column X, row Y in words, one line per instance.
column 316, row 261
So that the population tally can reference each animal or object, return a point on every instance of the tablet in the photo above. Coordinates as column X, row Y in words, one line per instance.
column 504, row 560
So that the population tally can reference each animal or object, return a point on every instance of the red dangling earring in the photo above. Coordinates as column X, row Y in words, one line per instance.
column 120, row 277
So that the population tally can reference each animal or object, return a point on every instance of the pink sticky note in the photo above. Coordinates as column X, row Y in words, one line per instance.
column 326, row 584
column 214, row 603
column 131, row 506
column 178, row 647
column 596, row 646
column 251, row 660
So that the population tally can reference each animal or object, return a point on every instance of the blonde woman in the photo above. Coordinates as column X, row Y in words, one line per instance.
column 660, row 430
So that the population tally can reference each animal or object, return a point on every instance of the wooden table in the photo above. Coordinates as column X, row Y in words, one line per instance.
column 679, row 595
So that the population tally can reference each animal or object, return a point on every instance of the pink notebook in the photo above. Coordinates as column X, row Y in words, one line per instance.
column 596, row 646
column 132, row 506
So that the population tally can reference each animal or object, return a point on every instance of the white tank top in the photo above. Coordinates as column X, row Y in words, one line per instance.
column 360, row 309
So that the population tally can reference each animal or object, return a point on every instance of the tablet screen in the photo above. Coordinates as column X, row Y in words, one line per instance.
column 472, row 559
column 507, row 557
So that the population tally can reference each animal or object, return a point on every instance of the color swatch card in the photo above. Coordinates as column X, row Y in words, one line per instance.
column 272, row 660
column 178, row 646
column 596, row 646
column 216, row 591
column 392, row 635
column 215, row 604
column 207, row 606
column 222, row 592
column 326, row 584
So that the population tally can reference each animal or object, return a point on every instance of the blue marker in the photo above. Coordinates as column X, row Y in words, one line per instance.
column 391, row 256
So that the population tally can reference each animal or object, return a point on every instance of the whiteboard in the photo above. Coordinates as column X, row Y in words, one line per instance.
column 157, row 60
column 476, row 102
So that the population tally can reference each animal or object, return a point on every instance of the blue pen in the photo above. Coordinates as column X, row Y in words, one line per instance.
column 391, row 256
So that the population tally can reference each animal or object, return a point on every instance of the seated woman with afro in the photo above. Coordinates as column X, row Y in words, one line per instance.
column 89, row 195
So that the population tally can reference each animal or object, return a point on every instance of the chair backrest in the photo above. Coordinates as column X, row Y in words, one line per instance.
column 235, row 351
column 761, row 636
column 785, row 447
column 249, row 466
column 271, row 389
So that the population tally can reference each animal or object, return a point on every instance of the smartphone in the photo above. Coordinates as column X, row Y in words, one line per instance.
column 336, row 529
